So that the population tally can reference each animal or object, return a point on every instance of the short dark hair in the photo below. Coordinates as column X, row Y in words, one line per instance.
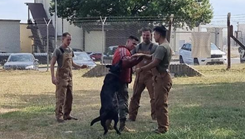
column 65, row 34
column 133, row 38
column 161, row 30
column 146, row 29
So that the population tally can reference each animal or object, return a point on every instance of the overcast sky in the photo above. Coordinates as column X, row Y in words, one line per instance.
column 16, row 9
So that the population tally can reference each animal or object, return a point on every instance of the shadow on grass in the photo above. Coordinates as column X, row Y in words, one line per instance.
column 196, row 111
column 218, row 94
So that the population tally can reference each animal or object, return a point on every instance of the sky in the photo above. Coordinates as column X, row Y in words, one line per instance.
column 16, row 9
column 222, row 7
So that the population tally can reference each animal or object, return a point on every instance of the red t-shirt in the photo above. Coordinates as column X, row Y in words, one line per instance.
column 122, row 53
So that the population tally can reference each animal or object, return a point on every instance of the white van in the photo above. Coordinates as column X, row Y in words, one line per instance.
column 217, row 56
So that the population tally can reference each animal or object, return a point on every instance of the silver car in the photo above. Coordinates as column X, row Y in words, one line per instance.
column 21, row 61
column 82, row 58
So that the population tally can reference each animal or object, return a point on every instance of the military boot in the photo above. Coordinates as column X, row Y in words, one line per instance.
column 123, row 127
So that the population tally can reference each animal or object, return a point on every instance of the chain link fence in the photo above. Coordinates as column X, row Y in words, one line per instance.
column 103, row 35
column 99, row 36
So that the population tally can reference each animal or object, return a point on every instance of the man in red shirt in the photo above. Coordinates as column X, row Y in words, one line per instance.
column 123, row 53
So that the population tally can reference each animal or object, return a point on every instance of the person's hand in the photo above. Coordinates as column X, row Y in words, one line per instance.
column 84, row 66
column 138, row 70
column 54, row 80
column 138, row 55
column 134, row 69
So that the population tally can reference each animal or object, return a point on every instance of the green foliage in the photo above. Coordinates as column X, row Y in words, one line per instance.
column 189, row 12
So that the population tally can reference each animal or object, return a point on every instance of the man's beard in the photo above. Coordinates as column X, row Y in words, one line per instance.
column 147, row 41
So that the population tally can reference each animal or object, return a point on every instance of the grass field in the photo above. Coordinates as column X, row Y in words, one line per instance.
column 208, row 107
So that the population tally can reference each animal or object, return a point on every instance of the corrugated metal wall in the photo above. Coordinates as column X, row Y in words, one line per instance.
column 10, row 36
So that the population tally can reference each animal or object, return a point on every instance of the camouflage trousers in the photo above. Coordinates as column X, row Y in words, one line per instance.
column 122, row 96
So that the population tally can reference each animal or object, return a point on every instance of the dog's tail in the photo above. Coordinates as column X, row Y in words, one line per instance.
column 95, row 120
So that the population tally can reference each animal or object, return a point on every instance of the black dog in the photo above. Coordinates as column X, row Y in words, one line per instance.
column 109, row 105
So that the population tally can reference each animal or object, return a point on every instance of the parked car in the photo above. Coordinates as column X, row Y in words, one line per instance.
column 242, row 54
column 42, row 57
column 21, row 61
column 82, row 58
column 88, row 53
column 217, row 56
column 109, row 53
column 77, row 50
column 96, row 56
column 3, row 58
column 111, row 50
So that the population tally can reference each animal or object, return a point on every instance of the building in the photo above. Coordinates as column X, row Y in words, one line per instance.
column 89, row 37
column 62, row 26
column 240, row 33
column 26, row 43
column 9, row 36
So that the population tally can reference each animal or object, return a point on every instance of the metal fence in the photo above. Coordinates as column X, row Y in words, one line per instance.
column 103, row 34
column 99, row 36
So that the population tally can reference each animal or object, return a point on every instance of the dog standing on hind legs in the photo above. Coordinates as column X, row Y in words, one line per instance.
column 109, row 104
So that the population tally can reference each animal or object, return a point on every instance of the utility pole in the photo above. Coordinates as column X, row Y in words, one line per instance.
column 103, row 37
column 55, row 20
column 47, row 37
column 170, row 25
column 229, row 41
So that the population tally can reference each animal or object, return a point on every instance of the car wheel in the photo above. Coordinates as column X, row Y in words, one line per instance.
column 181, row 59
column 196, row 62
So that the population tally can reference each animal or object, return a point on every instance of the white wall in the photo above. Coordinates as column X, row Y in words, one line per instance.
column 241, row 34
column 179, row 37
column 93, row 41
column 76, row 32
column 10, row 36
column 216, row 36
column 25, row 40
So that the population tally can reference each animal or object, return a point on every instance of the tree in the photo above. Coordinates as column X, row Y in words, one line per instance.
column 189, row 12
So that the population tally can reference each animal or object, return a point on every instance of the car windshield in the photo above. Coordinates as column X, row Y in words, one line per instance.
column 111, row 50
column 81, row 56
column 214, row 47
column 20, row 58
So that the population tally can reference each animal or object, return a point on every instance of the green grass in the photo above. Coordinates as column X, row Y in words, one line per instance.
column 208, row 107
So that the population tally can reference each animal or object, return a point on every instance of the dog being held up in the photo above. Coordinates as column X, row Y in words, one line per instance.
column 108, row 96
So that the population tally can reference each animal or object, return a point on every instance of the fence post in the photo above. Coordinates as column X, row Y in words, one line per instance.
column 170, row 27
column 47, row 23
column 228, row 41
column 103, row 38
column 56, row 23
